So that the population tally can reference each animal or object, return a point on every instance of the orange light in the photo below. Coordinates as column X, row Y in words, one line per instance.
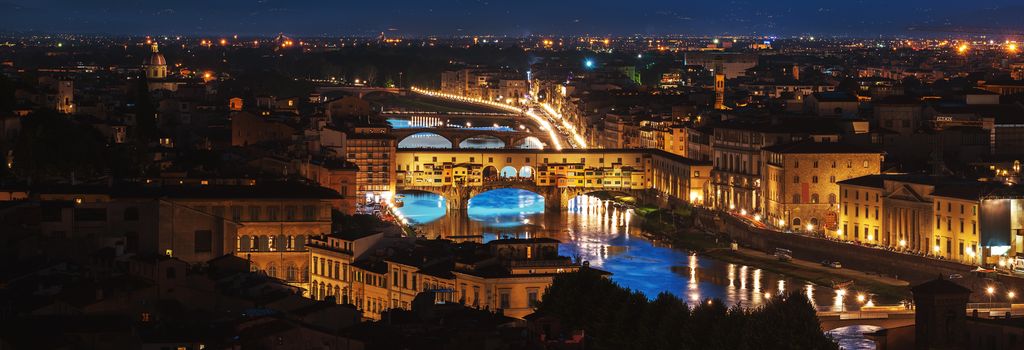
column 962, row 49
column 223, row 42
column 1012, row 48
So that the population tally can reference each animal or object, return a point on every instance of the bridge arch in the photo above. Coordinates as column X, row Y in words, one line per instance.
column 483, row 141
column 526, row 172
column 509, row 171
column 425, row 140
column 514, row 205
column 529, row 142
column 490, row 172
column 834, row 320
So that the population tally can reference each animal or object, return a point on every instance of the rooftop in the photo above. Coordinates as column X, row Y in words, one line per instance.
column 811, row 147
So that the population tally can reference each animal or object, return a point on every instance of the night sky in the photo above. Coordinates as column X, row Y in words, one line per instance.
column 517, row 18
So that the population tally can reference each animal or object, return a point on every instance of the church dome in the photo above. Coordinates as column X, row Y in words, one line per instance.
column 157, row 59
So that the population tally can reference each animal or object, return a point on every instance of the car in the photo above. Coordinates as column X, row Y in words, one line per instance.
column 836, row 265
column 955, row 276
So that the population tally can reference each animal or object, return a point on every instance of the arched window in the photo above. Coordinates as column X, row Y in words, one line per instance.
column 796, row 221
column 831, row 198
column 796, row 198
column 814, row 198
column 272, row 270
column 814, row 221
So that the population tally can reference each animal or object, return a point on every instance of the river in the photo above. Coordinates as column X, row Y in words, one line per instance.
column 609, row 237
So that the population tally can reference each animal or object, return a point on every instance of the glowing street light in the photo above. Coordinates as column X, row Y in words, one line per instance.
column 1010, row 295
column 1012, row 48
column 588, row 63
column 963, row 48
column 991, row 291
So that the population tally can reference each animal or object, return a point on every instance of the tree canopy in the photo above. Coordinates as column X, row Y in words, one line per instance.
column 613, row 317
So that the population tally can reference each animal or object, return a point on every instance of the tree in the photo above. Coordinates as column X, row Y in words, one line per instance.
column 613, row 317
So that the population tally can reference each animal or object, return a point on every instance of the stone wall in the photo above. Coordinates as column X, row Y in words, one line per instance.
column 912, row 268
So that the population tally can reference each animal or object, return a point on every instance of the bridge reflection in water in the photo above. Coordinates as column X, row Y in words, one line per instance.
column 610, row 238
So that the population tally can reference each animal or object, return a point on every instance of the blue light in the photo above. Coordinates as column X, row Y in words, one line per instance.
column 589, row 63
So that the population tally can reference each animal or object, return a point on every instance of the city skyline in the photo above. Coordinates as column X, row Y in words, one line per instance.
column 454, row 18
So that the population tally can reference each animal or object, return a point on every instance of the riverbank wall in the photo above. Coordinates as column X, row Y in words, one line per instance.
column 912, row 268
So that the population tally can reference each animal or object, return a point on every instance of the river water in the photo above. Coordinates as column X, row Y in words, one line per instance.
column 610, row 238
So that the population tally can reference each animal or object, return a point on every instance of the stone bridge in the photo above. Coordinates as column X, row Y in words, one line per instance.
column 830, row 320
column 361, row 91
column 457, row 135
column 555, row 198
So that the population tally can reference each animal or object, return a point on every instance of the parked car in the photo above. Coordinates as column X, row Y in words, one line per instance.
column 836, row 265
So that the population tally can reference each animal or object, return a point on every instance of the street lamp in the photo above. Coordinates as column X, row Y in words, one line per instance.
column 1010, row 295
column 990, row 291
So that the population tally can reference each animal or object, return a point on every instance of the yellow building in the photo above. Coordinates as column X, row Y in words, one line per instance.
column 931, row 215
column 801, row 190
column 508, row 274
column 861, row 213
column 516, row 282
column 956, row 233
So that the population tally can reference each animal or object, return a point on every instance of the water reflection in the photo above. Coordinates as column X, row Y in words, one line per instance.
column 609, row 237
column 852, row 337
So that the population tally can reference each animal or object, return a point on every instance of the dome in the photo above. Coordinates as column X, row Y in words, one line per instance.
column 157, row 59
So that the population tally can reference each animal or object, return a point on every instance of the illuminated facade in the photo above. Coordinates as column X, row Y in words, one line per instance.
column 372, row 148
column 557, row 175
column 801, row 190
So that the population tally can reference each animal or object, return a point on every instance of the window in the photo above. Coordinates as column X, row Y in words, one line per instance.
column 865, row 164
column 532, row 297
column 236, row 213
column 832, row 179
column 796, row 179
column 814, row 179
column 203, row 241
column 814, row 164
column 254, row 213
column 796, row 163
column 289, row 213
column 796, row 199
column 504, row 300
column 309, row 212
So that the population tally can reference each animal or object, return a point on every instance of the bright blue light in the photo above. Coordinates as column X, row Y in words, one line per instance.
column 589, row 63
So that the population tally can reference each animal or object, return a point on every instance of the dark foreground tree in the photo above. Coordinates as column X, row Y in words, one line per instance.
column 614, row 317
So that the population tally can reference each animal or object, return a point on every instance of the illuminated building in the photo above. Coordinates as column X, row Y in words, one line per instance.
column 801, row 181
